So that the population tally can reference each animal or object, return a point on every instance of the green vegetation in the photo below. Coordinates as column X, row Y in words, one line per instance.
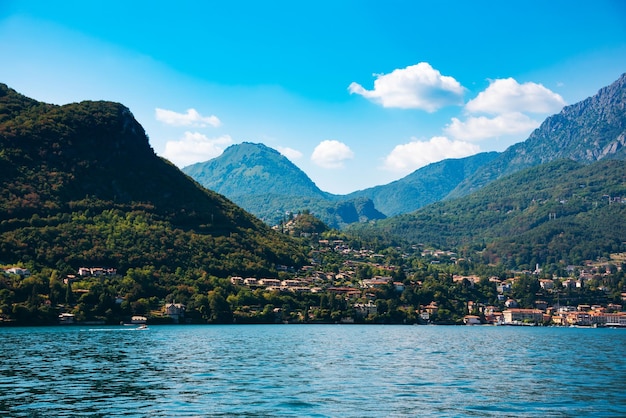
column 558, row 213
column 81, row 187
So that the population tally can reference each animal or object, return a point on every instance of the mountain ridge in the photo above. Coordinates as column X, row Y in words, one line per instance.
column 587, row 131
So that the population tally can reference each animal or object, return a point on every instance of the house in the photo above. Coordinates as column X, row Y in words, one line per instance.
column 511, row 303
column 250, row 281
column 546, row 284
column 517, row 316
column 19, row 271
column 471, row 320
column 269, row 282
column 236, row 280
column 66, row 319
column 176, row 311
column 399, row 286
column 366, row 309
column 432, row 308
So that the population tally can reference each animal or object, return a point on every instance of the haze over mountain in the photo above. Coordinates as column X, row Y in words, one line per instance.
column 80, row 185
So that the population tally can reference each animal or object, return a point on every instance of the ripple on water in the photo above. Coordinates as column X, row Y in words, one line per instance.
column 325, row 371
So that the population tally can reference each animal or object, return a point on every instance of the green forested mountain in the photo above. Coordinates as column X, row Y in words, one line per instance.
column 562, row 211
column 267, row 184
column 591, row 130
column 425, row 185
column 247, row 167
column 80, row 186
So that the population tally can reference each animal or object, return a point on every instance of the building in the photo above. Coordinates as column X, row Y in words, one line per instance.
column 366, row 309
column 514, row 316
column 176, row 311
column 471, row 320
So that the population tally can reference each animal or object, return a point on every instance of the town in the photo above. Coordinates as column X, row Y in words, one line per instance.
column 341, row 285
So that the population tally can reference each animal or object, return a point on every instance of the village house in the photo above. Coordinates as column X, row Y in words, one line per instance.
column 236, row 280
column 250, row 281
column 431, row 308
column 96, row 271
column 471, row 320
column 376, row 282
column 511, row 303
column 66, row 319
column 269, row 282
column 518, row 316
column 19, row 271
column 365, row 309
column 546, row 284
column 176, row 311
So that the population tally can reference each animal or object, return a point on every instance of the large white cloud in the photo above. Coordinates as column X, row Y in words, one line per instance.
column 331, row 154
column 482, row 127
column 507, row 103
column 191, row 118
column 417, row 86
column 195, row 147
column 508, row 96
column 407, row 158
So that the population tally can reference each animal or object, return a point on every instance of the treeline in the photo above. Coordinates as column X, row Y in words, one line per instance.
column 41, row 297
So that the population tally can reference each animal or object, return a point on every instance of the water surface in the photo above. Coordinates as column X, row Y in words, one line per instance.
column 312, row 371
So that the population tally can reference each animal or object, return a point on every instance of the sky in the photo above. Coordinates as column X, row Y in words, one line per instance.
column 354, row 93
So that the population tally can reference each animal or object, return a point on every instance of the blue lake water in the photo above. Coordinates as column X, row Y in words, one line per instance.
column 312, row 371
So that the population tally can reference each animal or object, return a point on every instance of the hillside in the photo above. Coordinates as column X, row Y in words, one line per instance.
column 267, row 184
column 425, row 185
column 591, row 130
column 80, row 186
column 562, row 211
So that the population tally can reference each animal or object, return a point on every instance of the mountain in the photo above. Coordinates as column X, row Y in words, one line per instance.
column 80, row 186
column 563, row 211
column 425, row 185
column 248, row 167
column 267, row 184
column 588, row 131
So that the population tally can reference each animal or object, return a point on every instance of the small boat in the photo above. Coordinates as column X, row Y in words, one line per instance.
column 142, row 327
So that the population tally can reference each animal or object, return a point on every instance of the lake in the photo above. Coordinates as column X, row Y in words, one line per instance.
column 312, row 371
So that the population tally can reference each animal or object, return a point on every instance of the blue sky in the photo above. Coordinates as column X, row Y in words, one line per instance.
column 355, row 93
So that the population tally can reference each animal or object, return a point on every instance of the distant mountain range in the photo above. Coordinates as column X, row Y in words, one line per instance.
column 268, row 185
column 81, row 186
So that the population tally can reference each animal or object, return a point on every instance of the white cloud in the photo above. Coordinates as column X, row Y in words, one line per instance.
column 508, row 96
column 331, row 154
column 478, row 128
column 191, row 118
column 407, row 158
column 195, row 147
column 417, row 86
column 290, row 153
